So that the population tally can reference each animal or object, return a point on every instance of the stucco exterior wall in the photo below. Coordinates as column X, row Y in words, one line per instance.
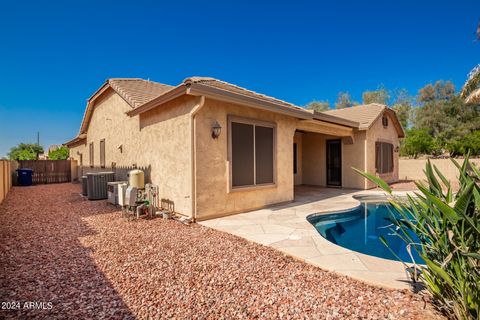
column 353, row 156
column 298, row 177
column 315, row 160
column 412, row 169
column 378, row 132
column 157, row 141
column 212, row 166
column 165, row 144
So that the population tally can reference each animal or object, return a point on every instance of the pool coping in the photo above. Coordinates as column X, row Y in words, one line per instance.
column 286, row 228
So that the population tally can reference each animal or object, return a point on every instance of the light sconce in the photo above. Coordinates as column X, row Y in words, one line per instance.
column 216, row 129
column 397, row 148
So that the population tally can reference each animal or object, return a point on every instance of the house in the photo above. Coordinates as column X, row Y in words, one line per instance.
column 217, row 149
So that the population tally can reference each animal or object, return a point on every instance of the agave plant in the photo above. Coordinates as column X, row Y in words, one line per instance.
column 447, row 226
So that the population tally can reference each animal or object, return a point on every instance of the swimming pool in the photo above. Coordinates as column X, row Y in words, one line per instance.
column 359, row 230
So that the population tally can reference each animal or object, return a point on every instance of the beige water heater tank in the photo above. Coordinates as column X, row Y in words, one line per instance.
column 136, row 179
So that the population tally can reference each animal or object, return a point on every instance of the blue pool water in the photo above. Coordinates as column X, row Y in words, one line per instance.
column 359, row 230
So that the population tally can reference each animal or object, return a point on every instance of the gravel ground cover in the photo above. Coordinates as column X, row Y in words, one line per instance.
column 89, row 263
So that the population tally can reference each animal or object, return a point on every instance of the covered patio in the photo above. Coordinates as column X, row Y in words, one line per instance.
column 285, row 228
column 325, row 152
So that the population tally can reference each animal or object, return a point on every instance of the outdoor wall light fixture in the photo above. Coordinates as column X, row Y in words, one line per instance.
column 216, row 129
column 397, row 148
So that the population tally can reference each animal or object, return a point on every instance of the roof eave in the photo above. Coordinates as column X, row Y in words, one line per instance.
column 335, row 120
column 393, row 114
column 198, row 89
column 76, row 141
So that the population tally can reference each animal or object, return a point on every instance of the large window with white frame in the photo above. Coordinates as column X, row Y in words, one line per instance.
column 251, row 152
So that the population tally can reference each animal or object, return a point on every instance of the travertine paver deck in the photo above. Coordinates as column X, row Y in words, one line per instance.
column 286, row 228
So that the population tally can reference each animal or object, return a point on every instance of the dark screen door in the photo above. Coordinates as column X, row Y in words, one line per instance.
column 334, row 163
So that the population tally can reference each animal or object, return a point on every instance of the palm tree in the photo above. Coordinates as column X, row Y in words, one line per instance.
column 471, row 89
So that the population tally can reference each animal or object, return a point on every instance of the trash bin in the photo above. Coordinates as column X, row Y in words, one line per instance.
column 25, row 176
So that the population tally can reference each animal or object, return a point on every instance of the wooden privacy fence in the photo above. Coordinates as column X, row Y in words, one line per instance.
column 5, row 178
column 48, row 171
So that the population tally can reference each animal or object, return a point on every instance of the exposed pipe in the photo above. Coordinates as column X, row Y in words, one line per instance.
column 193, row 113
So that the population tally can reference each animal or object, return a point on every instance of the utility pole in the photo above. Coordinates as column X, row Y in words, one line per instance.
column 38, row 141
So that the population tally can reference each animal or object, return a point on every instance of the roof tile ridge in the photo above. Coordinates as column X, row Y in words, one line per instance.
column 240, row 88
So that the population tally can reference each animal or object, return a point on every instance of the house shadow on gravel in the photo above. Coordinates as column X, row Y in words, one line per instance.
column 43, row 260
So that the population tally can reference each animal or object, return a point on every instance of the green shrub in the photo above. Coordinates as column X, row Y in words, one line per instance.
column 61, row 153
column 418, row 141
column 447, row 225
column 470, row 143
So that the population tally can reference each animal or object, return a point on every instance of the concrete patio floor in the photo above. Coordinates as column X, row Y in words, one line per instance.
column 286, row 228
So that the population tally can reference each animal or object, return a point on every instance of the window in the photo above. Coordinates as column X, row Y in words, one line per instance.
column 252, row 153
column 91, row 154
column 102, row 153
column 384, row 157
column 294, row 158
column 385, row 121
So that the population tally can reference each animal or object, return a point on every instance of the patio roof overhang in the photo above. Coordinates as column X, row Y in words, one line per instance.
column 327, row 128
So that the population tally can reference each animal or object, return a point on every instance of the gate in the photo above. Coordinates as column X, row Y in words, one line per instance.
column 48, row 171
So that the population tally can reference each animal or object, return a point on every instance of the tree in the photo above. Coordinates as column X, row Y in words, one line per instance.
column 447, row 118
column 471, row 89
column 470, row 143
column 377, row 96
column 318, row 105
column 441, row 90
column 61, row 153
column 417, row 142
column 403, row 107
column 344, row 100
column 25, row 151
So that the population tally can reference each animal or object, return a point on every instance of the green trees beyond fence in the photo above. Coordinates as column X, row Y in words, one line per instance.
column 436, row 121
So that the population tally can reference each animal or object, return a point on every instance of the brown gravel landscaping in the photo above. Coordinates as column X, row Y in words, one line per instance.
column 90, row 263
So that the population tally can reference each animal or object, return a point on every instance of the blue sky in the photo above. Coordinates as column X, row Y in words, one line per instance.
column 55, row 54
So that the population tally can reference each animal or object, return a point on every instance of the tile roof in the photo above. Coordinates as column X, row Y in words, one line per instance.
column 137, row 91
column 219, row 84
column 365, row 115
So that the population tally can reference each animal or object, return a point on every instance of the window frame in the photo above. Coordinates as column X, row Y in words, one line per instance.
column 91, row 155
column 102, row 153
column 255, row 122
column 378, row 146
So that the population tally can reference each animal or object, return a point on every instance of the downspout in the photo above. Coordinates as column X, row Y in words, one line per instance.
column 193, row 113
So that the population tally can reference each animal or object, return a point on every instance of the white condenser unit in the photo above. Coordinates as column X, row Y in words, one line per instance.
column 114, row 191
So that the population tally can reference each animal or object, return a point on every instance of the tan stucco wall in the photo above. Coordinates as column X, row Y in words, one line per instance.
column 412, row 169
column 298, row 139
column 315, row 160
column 212, row 167
column 158, row 141
column 379, row 133
column 353, row 156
